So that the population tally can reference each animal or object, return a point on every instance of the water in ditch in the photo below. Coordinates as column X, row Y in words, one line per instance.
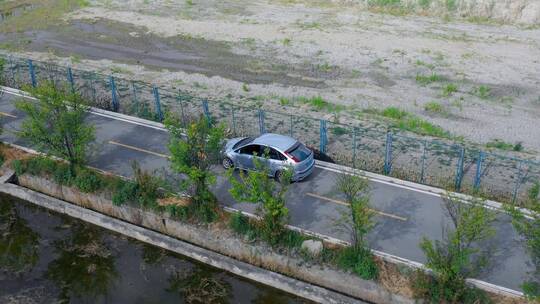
column 50, row 258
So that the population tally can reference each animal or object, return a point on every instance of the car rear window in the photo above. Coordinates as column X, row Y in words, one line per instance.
column 300, row 152
column 244, row 141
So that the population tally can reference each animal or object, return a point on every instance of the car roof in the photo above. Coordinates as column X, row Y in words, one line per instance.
column 280, row 142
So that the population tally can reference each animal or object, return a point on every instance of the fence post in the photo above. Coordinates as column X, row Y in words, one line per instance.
column 459, row 170
column 233, row 120
column 422, row 174
column 157, row 103
column 478, row 176
column 32, row 72
column 518, row 182
column 134, row 93
column 12, row 68
column 206, row 110
column 323, row 138
column 261, row 121
column 70, row 79
column 388, row 154
column 354, row 148
column 291, row 127
column 113, row 94
column 179, row 99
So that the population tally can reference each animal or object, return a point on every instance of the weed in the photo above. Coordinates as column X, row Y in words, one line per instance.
column 501, row 145
column 88, row 181
column 286, row 41
column 359, row 260
column 425, row 80
column 245, row 88
column 449, row 89
column 189, row 2
column 435, row 108
column 424, row 3
column 427, row 65
column 394, row 113
column 482, row 91
column 338, row 131
column 284, row 101
column 320, row 104
column 451, row 5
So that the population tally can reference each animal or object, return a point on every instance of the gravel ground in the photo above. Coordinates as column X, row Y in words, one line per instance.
column 349, row 56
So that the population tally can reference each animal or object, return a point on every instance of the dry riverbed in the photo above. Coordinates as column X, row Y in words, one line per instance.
column 478, row 81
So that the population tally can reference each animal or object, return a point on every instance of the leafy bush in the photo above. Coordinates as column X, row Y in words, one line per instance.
column 125, row 191
column 88, row 181
column 358, row 260
column 429, row 289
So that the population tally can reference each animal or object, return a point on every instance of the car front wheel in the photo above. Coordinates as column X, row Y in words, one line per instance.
column 227, row 163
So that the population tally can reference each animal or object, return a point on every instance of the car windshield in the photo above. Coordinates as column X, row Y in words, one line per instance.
column 244, row 141
column 299, row 152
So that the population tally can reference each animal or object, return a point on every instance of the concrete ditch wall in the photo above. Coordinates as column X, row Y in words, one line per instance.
column 221, row 241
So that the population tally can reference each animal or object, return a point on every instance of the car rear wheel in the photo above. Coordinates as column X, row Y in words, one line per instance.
column 227, row 163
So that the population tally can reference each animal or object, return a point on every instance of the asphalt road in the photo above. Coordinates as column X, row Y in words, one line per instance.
column 404, row 217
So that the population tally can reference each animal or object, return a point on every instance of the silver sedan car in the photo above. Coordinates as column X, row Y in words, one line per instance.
column 283, row 152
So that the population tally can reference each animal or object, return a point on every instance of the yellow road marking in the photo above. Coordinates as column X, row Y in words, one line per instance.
column 139, row 149
column 346, row 204
column 7, row 114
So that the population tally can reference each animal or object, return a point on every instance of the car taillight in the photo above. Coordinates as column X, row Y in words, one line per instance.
column 296, row 160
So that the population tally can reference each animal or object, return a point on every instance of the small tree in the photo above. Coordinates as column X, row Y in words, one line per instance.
column 258, row 187
column 359, row 217
column 358, row 220
column 193, row 154
column 529, row 229
column 55, row 123
column 458, row 255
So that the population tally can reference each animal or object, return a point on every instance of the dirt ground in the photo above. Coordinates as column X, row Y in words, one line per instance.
column 486, row 74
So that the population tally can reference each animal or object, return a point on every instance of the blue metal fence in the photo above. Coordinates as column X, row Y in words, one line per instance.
column 433, row 162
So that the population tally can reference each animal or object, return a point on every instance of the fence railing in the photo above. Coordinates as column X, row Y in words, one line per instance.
column 448, row 165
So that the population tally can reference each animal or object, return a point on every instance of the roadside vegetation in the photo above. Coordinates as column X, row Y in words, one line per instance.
column 359, row 221
column 192, row 155
column 529, row 229
column 196, row 147
column 461, row 254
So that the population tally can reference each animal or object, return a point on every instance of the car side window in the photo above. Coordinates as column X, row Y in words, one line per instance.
column 250, row 150
column 276, row 155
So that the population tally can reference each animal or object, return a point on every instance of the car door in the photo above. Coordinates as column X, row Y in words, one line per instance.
column 246, row 155
column 276, row 160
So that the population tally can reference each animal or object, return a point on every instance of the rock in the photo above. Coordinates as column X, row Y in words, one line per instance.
column 313, row 247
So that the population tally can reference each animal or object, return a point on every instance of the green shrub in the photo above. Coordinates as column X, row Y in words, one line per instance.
column 88, row 181
column 292, row 239
column 125, row 191
column 531, row 290
column 359, row 260
column 148, row 184
column 499, row 144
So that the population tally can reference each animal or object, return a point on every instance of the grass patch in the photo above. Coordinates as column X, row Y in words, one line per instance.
column 501, row 145
column 358, row 260
column 320, row 104
column 409, row 122
column 435, row 108
column 449, row 89
column 428, row 79
column 484, row 92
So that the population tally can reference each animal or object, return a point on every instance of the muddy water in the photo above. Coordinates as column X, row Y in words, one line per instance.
column 104, row 39
column 49, row 258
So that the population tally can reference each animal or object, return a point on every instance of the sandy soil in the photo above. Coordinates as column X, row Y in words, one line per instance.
column 269, row 50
